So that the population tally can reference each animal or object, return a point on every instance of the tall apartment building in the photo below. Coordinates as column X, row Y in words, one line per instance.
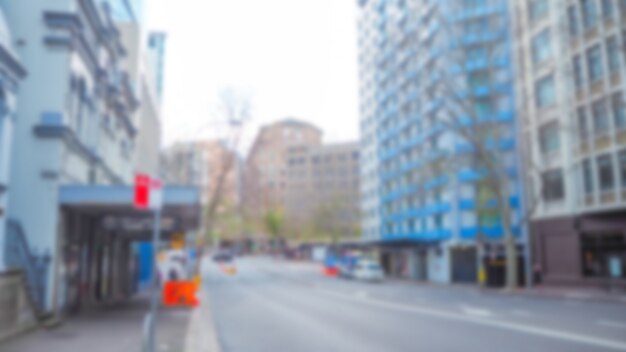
column 15, row 72
column 147, row 117
column 411, row 53
column 323, row 186
column 571, row 65
column 266, row 166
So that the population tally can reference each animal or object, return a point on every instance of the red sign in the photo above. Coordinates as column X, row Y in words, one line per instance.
column 142, row 191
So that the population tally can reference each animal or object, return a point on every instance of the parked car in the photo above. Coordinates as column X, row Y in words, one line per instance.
column 222, row 257
column 368, row 270
column 346, row 270
column 226, row 262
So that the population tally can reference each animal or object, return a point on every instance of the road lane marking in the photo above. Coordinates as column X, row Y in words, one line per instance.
column 516, row 327
column 478, row 312
column 611, row 324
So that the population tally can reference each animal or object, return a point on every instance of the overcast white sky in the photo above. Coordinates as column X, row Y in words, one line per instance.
column 296, row 58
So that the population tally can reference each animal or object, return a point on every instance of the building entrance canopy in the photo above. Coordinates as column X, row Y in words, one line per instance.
column 113, row 205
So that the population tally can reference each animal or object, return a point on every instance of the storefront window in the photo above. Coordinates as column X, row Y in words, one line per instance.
column 603, row 255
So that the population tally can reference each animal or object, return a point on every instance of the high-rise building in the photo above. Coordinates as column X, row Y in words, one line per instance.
column 147, row 117
column 15, row 72
column 323, row 188
column 572, row 80
column 266, row 177
column 74, row 152
column 421, row 62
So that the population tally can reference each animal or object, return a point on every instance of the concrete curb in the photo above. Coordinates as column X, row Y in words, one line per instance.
column 568, row 295
column 598, row 297
column 201, row 335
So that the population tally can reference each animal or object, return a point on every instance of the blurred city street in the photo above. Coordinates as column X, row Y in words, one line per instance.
column 272, row 305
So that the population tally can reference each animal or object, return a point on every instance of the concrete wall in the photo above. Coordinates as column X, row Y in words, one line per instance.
column 16, row 313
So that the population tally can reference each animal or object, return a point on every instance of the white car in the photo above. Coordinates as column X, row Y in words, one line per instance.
column 368, row 271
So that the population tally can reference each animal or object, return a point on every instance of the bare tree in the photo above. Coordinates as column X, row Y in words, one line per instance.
column 235, row 109
column 468, row 115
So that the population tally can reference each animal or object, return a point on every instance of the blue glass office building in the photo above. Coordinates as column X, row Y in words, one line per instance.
column 420, row 209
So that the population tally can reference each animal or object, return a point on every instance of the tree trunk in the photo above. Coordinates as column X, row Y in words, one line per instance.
column 509, row 244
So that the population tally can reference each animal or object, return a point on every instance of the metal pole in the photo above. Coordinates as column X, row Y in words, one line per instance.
column 154, row 294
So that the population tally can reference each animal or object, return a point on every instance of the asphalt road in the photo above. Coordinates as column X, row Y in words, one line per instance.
column 276, row 306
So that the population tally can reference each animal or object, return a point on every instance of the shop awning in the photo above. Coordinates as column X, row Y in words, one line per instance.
column 113, row 205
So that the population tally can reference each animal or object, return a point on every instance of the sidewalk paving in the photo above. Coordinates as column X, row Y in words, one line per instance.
column 571, row 293
column 120, row 328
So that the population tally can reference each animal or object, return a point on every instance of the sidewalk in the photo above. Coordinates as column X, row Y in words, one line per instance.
column 120, row 327
column 571, row 293
column 550, row 292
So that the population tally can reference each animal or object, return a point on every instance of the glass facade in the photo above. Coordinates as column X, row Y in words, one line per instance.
column 426, row 67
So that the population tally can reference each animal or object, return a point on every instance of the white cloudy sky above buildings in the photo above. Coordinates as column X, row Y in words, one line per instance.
column 296, row 58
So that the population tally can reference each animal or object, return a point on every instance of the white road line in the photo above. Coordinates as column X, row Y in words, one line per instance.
column 520, row 312
column 611, row 324
column 517, row 327
column 478, row 312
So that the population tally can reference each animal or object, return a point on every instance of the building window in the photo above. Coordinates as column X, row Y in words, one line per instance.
column 612, row 51
column 549, row 137
column 483, row 107
column 600, row 118
column 590, row 13
column 594, row 62
column 478, row 79
column 607, row 8
column 587, row 176
column 541, row 47
column 578, row 71
column 537, row 9
column 572, row 18
column 619, row 110
column 605, row 173
column 622, row 167
column 552, row 185
column 545, row 95
column 439, row 221
column 583, row 129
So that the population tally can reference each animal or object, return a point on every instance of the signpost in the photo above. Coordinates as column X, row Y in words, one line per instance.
column 148, row 196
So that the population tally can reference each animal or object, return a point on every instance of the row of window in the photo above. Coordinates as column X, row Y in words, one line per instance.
column 545, row 91
column 589, row 13
column 597, row 174
column 606, row 114
column 595, row 67
column 601, row 111
column 326, row 158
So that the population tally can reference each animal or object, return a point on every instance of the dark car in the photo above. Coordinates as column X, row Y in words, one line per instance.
column 223, row 257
